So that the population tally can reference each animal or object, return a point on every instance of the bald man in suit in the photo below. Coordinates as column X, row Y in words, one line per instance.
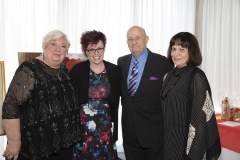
column 142, row 123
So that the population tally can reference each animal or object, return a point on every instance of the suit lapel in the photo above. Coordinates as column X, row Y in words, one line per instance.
column 126, row 65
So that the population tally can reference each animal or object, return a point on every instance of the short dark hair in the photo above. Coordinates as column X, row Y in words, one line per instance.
column 189, row 41
column 92, row 37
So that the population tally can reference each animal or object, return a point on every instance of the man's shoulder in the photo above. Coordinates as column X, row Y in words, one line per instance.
column 159, row 59
column 125, row 56
column 157, row 56
column 121, row 60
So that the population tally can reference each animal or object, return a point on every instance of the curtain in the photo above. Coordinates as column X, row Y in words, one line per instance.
column 218, row 32
column 23, row 23
column 164, row 18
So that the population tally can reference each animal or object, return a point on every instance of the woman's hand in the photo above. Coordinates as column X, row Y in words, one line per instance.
column 12, row 130
column 12, row 150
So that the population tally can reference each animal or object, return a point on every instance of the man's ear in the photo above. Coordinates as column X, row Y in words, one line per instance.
column 147, row 38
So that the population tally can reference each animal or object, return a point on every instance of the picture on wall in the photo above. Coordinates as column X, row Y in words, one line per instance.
column 2, row 93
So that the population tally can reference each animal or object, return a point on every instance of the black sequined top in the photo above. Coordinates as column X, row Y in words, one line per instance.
column 45, row 100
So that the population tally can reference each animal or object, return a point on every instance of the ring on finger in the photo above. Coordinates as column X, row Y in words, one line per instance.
column 6, row 155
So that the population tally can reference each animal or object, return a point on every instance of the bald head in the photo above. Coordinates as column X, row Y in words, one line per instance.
column 137, row 40
column 140, row 29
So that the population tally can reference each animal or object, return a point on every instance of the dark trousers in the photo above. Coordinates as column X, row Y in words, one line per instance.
column 134, row 151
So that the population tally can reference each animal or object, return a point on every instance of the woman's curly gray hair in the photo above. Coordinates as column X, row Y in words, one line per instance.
column 53, row 35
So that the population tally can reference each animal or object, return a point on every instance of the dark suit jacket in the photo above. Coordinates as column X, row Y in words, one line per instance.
column 143, row 112
column 80, row 76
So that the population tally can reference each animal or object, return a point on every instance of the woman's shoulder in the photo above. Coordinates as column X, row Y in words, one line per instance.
column 31, row 64
column 110, row 65
column 200, row 75
column 82, row 68
column 81, row 65
column 199, row 71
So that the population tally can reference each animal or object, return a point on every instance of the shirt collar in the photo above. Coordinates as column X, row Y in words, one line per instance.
column 142, row 58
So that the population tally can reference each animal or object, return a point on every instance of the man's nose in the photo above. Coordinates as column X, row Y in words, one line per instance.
column 134, row 41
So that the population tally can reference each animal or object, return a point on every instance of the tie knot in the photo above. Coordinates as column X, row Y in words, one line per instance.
column 135, row 62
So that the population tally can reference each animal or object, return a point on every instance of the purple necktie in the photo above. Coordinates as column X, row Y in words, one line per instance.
column 133, row 79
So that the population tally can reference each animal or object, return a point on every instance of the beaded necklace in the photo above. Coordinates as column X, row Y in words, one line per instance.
column 176, row 75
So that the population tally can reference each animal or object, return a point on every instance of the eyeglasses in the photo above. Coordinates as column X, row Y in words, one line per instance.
column 92, row 51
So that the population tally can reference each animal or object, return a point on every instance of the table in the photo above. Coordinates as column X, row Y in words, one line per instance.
column 229, row 133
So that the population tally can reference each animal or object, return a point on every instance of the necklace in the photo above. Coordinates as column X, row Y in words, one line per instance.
column 57, row 74
column 54, row 70
column 176, row 75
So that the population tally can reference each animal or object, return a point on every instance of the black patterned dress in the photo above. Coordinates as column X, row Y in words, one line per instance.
column 96, row 124
column 45, row 101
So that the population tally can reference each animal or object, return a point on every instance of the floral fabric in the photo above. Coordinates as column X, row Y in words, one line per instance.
column 96, row 124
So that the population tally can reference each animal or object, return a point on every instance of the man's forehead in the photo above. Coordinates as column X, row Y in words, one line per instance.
column 135, row 34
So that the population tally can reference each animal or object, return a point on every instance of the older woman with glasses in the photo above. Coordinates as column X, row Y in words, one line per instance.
column 99, row 91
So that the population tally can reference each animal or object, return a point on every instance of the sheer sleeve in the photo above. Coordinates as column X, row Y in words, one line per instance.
column 203, row 140
column 18, row 92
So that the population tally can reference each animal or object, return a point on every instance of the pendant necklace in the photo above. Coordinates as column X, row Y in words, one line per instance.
column 54, row 70
column 57, row 74
column 176, row 75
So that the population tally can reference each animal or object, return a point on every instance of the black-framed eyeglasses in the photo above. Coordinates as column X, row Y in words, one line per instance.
column 92, row 51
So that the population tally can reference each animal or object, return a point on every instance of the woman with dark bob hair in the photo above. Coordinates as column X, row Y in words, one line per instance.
column 98, row 88
column 190, row 127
